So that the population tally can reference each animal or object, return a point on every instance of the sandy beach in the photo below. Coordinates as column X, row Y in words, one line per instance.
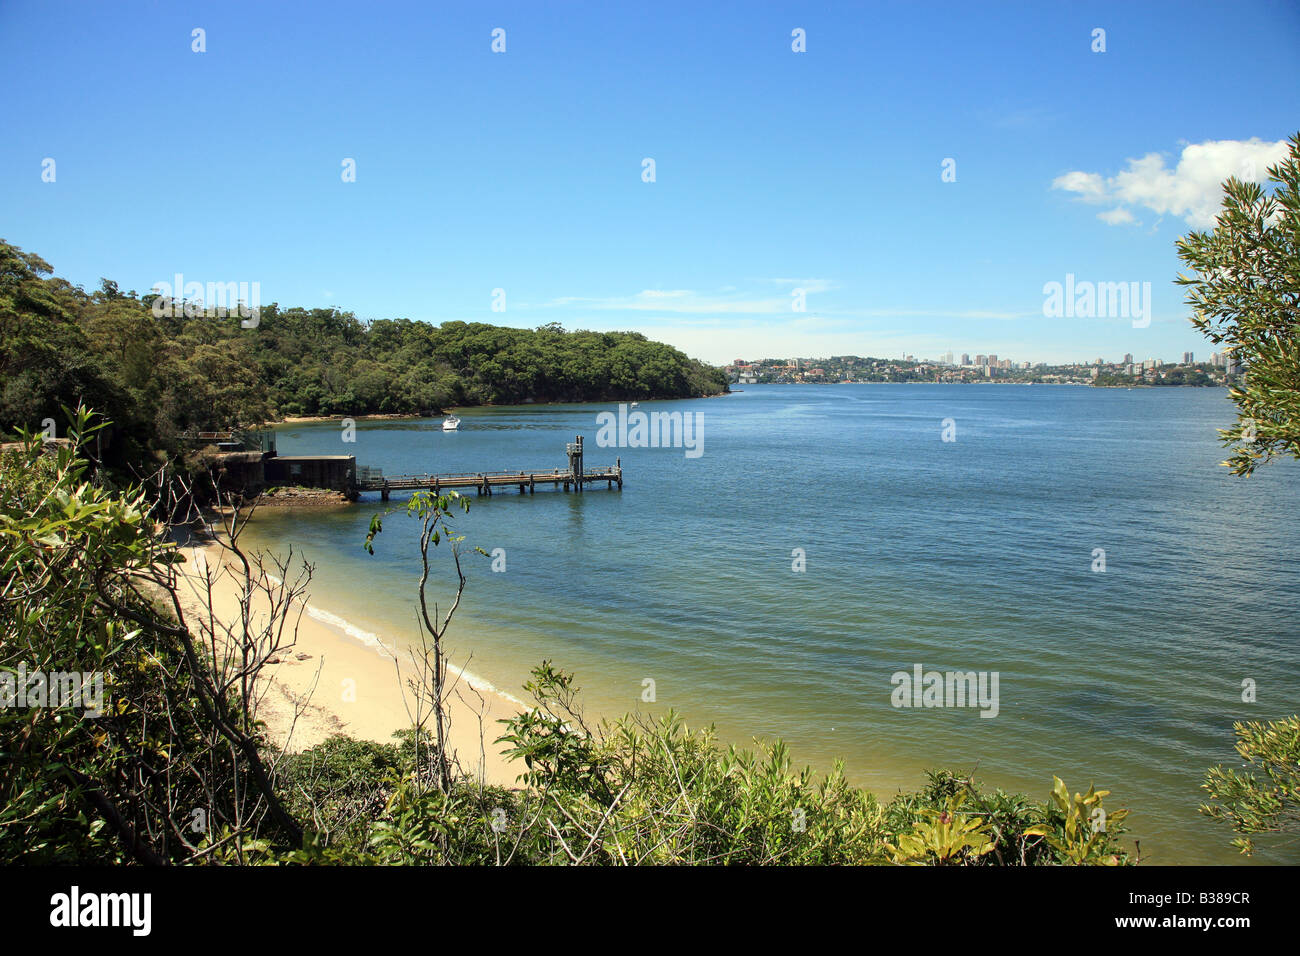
column 314, row 419
column 324, row 681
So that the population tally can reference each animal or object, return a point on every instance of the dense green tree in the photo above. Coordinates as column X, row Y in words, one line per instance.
column 1264, row 795
column 1245, row 294
column 48, row 361
column 158, row 376
column 148, row 751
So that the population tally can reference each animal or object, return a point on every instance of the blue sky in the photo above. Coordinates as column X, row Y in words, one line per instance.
column 774, row 170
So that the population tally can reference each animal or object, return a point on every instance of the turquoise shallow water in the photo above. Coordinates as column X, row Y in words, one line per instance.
column 975, row 554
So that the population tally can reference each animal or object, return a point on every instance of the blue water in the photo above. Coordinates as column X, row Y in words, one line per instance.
column 975, row 554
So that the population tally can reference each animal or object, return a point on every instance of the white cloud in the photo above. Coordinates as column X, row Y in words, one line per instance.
column 696, row 307
column 1193, row 189
column 1090, row 186
column 807, row 337
column 1114, row 217
column 726, row 301
column 685, row 301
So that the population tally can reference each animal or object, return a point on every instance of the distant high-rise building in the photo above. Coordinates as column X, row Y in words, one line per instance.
column 981, row 360
column 1188, row 358
column 993, row 360
column 965, row 358
column 1128, row 358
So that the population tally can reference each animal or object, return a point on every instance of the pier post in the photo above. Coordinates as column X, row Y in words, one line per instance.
column 574, row 451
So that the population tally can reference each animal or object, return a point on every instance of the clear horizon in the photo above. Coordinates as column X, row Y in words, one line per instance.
column 774, row 170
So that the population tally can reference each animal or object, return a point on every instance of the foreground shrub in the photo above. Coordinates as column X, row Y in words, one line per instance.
column 641, row 791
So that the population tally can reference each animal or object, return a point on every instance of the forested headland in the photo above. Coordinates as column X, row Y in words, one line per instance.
column 155, row 377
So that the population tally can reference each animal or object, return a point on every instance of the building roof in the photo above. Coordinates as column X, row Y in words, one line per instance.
column 313, row 457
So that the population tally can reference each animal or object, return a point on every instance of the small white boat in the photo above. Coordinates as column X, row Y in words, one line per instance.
column 450, row 423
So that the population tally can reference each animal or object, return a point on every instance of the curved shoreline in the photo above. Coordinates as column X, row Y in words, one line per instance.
column 331, row 678
column 408, row 416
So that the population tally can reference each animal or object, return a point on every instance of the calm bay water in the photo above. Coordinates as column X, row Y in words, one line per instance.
column 968, row 555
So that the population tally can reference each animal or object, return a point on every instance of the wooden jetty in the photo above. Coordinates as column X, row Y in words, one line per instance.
column 576, row 477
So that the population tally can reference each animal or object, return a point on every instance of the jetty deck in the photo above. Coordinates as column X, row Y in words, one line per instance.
column 574, row 478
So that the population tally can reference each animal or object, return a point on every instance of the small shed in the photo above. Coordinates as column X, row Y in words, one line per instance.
column 335, row 472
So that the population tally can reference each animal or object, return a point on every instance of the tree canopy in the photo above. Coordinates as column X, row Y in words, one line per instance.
column 1245, row 293
column 155, row 377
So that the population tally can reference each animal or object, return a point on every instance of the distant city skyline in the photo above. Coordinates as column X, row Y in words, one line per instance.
column 980, row 359
column 838, row 369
